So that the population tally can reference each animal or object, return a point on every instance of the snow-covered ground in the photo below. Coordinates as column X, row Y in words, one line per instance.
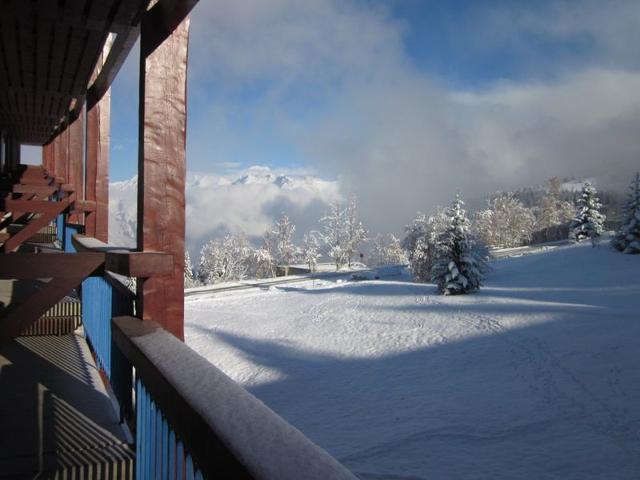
column 537, row 376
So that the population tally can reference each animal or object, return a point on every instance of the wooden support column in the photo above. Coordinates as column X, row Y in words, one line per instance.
column 45, row 156
column 97, row 177
column 161, row 168
column 76, row 156
column 61, row 150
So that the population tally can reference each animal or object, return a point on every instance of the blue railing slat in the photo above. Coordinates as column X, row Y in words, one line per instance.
column 139, row 430
column 172, row 454
column 180, row 461
column 189, row 473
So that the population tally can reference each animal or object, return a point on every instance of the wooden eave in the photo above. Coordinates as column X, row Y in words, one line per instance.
column 48, row 52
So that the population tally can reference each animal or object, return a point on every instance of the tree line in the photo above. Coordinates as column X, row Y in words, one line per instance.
column 448, row 247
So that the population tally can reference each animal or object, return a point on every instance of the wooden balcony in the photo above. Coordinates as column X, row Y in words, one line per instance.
column 122, row 396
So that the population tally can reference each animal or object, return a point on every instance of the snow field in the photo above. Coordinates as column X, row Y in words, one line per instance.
column 536, row 376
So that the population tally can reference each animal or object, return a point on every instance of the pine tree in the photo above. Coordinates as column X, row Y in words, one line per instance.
column 588, row 221
column 627, row 238
column 459, row 266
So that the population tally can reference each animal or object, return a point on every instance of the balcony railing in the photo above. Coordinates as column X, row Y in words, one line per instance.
column 189, row 419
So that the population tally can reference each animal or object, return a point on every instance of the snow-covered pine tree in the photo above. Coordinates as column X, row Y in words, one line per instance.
column 459, row 266
column 627, row 238
column 189, row 277
column 588, row 221
column 386, row 250
column 311, row 250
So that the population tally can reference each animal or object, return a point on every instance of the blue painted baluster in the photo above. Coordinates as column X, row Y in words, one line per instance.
column 189, row 468
column 139, row 429
column 165, row 449
column 152, row 441
column 199, row 475
column 180, row 461
column 172, row 454
column 158, row 442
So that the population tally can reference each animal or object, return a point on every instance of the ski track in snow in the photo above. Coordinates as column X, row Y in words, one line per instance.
column 390, row 379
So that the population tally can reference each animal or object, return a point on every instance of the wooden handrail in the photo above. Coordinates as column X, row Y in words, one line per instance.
column 230, row 433
column 124, row 261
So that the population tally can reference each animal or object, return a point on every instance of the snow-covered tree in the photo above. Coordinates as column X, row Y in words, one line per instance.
column 588, row 221
column 387, row 250
column 355, row 233
column 553, row 210
column 189, row 277
column 505, row 223
column 311, row 250
column 460, row 265
column 627, row 238
column 333, row 234
column 261, row 263
column 420, row 243
column 224, row 260
column 280, row 239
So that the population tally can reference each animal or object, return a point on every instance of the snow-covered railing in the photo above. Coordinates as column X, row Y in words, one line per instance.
column 192, row 421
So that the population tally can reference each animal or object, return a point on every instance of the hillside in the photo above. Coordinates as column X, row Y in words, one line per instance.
column 536, row 376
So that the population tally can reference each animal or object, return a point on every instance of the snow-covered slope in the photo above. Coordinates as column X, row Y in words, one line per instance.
column 534, row 377
column 247, row 201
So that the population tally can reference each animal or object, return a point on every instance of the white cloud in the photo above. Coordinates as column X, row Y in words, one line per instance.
column 246, row 201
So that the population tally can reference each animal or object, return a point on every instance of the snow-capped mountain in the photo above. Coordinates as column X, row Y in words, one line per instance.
column 247, row 201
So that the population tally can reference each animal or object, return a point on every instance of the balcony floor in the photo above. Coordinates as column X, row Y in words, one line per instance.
column 55, row 414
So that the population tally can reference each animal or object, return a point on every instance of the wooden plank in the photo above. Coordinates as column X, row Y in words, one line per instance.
column 42, row 190
column 33, row 206
column 161, row 172
column 45, row 265
column 139, row 264
column 84, row 206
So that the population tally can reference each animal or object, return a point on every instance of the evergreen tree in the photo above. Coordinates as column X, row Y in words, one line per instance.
column 588, row 221
column 459, row 264
column 627, row 238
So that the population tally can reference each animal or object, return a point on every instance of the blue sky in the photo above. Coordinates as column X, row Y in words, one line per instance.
column 398, row 96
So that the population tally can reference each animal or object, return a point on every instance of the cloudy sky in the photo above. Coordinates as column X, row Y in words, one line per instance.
column 405, row 102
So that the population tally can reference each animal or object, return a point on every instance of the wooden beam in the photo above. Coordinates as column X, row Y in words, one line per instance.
column 139, row 264
column 33, row 206
column 17, row 319
column 161, row 20
column 97, row 165
column 161, row 170
column 76, row 157
column 42, row 190
column 45, row 265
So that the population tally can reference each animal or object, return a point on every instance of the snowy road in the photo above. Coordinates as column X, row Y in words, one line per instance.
column 534, row 377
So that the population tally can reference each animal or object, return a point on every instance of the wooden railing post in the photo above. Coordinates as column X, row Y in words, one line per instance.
column 161, row 166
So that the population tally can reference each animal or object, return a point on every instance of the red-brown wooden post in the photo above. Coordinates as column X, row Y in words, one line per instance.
column 161, row 170
column 76, row 154
column 61, row 154
column 97, row 177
